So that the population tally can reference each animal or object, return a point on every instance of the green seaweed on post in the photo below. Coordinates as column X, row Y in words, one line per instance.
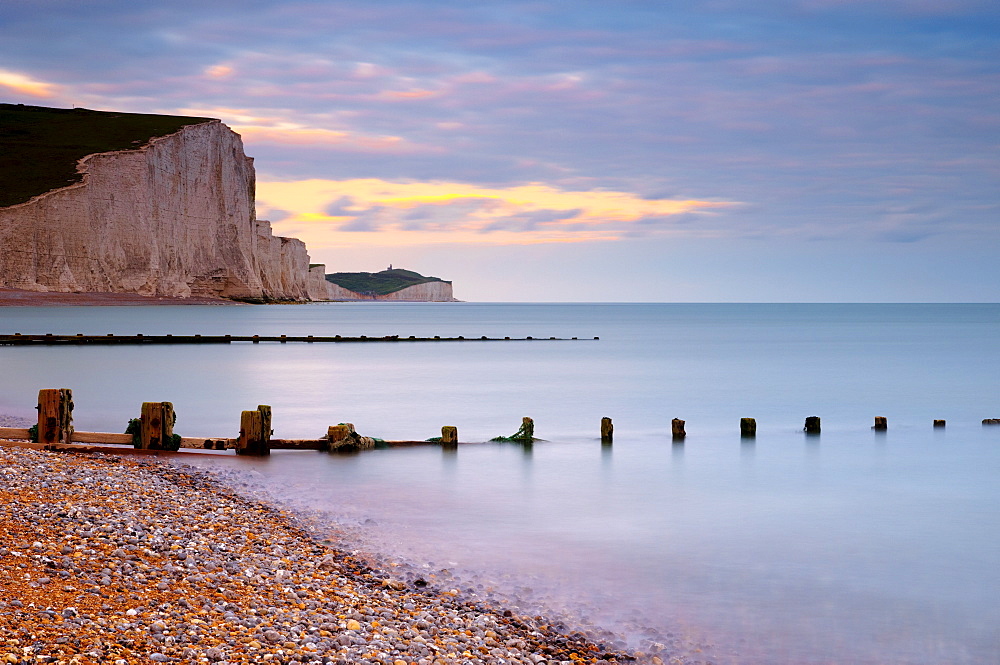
column 135, row 429
column 525, row 434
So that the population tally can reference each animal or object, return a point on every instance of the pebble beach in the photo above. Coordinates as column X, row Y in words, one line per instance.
column 109, row 559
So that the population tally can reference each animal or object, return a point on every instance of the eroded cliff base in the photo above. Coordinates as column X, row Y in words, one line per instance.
column 24, row 298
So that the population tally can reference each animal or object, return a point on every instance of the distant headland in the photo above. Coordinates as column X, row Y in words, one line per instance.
column 392, row 284
column 154, row 207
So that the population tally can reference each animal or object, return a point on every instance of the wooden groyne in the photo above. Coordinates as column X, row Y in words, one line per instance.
column 49, row 339
column 152, row 432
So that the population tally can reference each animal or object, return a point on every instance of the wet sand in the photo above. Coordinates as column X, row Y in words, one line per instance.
column 119, row 560
column 22, row 298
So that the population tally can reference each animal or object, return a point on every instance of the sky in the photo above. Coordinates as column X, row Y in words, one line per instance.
column 716, row 151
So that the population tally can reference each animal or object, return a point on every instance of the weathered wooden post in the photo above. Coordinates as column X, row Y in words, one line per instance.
column 812, row 425
column 881, row 424
column 265, row 422
column 255, row 432
column 527, row 432
column 251, row 432
column 337, row 433
column 156, row 427
column 449, row 435
column 55, row 415
column 607, row 430
column 939, row 423
column 343, row 437
column 677, row 429
column 748, row 428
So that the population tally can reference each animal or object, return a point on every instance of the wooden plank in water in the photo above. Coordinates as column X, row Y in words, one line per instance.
column 298, row 444
column 213, row 443
column 102, row 437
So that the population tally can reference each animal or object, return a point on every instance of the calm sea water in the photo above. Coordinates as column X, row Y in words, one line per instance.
column 850, row 547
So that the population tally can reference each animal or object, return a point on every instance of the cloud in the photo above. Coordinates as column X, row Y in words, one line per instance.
column 276, row 214
column 219, row 72
column 534, row 220
column 262, row 129
column 394, row 213
column 808, row 109
column 318, row 137
column 341, row 207
column 26, row 85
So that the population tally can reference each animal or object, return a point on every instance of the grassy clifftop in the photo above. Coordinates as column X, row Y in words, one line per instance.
column 39, row 146
column 380, row 283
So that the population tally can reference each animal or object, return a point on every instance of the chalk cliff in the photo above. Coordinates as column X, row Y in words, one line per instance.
column 174, row 217
column 431, row 291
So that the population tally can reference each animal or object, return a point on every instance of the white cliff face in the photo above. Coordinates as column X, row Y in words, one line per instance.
column 283, row 265
column 428, row 292
column 173, row 218
column 320, row 289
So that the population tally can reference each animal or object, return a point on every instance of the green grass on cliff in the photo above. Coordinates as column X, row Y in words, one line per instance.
column 39, row 146
column 380, row 283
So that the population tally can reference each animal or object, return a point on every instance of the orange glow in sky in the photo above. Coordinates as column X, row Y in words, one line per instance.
column 328, row 213
column 23, row 84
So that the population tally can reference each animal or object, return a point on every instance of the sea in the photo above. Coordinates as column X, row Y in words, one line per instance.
column 853, row 546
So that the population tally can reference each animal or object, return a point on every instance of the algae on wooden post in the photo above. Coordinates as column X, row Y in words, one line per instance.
column 449, row 435
column 342, row 437
column 527, row 431
column 748, row 427
column 526, row 434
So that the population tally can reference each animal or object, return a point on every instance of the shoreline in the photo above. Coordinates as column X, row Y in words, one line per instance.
column 24, row 298
column 122, row 560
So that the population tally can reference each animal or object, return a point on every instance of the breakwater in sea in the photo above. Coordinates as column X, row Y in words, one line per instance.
column 857, row 545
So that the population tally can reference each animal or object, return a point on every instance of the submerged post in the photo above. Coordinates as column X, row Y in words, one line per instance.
column 156, row 427
column 338, row 433
column 527, row 429
column 255, row 432
column 449, row 435
column 881, row 424
column 607, row 430
column 55, row 415
column 677, row 429
column 748, row 427
column 812, row 425
column 939, row 423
